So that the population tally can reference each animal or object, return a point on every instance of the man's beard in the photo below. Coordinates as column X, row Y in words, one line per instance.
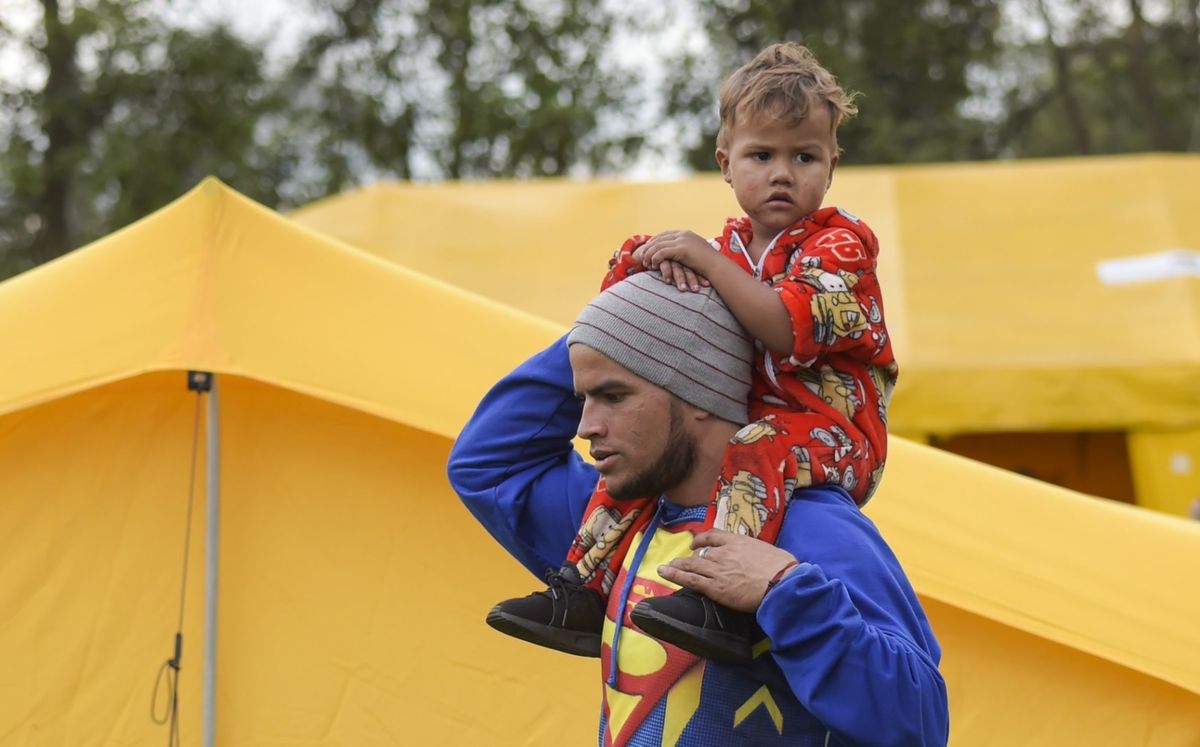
column 673, row 466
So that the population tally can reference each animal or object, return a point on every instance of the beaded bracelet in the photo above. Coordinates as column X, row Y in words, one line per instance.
column 779, row 576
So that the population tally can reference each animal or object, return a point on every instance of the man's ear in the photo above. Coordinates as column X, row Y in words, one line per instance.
column 698, row 414
column 723, row 163
column 688, row 410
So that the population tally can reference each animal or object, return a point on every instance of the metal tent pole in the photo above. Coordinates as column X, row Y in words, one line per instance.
column 212, row 528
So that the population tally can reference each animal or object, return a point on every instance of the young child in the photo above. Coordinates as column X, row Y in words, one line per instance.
column 801, row 279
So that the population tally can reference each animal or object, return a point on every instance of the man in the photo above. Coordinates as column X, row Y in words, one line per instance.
column 848, row 655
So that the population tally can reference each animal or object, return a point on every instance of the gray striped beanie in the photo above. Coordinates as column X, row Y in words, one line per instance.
column 688, row 343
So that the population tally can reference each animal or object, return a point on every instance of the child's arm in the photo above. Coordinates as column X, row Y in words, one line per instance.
column 756, row 306
column 832, row 297
column 626, row 261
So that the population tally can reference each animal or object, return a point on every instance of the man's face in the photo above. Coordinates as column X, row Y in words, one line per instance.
column 636, row 429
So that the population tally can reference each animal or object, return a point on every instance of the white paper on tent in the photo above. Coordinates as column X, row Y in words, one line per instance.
column 1144, row 268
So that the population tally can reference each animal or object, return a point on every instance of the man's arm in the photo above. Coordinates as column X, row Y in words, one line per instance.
column 514, row 466
column 849, row 632
column 845, row 626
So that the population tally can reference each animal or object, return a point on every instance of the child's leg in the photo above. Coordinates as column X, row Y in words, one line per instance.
column 569, row 614
column 749, row 498
column 764, row 463
column 604, row 538
column 752, row 493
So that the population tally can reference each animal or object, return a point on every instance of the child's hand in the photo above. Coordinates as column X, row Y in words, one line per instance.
column 682, row 276
column 682, row 256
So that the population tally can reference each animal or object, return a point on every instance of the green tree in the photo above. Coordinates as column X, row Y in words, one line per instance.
column 132, row 111
column 1103, row 78
column 911, row 61
column 463, row 89
column 120, row 110
column 946, row 80
column 130, row 115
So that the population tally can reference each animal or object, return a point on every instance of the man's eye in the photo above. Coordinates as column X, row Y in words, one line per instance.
column 613, row 399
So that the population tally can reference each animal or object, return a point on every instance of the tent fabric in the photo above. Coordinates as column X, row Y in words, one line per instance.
column 1025, row 258
column 219, row 283
column 1167, row 466
column 347, row 612
column 1008, row 687
column 1063, row 566
column 989, row 271
column 353, row 583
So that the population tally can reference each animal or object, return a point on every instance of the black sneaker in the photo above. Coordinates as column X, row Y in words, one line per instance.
column 567, row 616
column 695, row 623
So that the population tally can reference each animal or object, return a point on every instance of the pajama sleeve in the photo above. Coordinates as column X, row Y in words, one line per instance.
column 621, row 265
column 832, row 296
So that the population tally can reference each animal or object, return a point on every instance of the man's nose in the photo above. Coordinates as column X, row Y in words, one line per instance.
column 590, row 423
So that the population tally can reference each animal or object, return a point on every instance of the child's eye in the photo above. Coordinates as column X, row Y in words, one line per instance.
column 803, row 157
column 761, row 155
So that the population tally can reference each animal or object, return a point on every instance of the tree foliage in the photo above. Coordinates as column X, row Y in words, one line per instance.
column 946, row 80
column 132, row 113
column 458, row 89
column 1095, row 83
column 910, row 60
column 120, row 108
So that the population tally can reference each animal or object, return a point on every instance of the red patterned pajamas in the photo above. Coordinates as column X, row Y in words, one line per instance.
column 818, row 415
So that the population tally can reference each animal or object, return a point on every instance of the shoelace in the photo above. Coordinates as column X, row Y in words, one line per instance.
column 558, row 590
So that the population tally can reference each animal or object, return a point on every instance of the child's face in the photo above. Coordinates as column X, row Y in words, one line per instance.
column 779, row 172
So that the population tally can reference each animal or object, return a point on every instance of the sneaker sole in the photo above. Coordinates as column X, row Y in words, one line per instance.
column 560, row 639
column 708, row 644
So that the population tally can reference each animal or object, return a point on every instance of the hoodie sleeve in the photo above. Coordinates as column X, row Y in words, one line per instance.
column 515, row 468
column 848, row 631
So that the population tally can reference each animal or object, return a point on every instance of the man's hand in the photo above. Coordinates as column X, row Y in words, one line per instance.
column 681, row 256
column 728, row 568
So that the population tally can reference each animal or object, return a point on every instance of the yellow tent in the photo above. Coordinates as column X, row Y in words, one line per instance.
column 1002, row 320
column 353, row 583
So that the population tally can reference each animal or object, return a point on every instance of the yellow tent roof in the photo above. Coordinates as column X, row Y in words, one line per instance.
column 1097, row 575
column 344, row 377
column 217, row 282
column 341, row 381
column 990, row 272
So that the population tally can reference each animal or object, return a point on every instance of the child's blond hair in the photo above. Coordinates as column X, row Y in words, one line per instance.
column 783, row 80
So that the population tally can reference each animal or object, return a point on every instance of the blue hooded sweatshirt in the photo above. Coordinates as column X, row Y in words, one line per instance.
column 851, row 658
